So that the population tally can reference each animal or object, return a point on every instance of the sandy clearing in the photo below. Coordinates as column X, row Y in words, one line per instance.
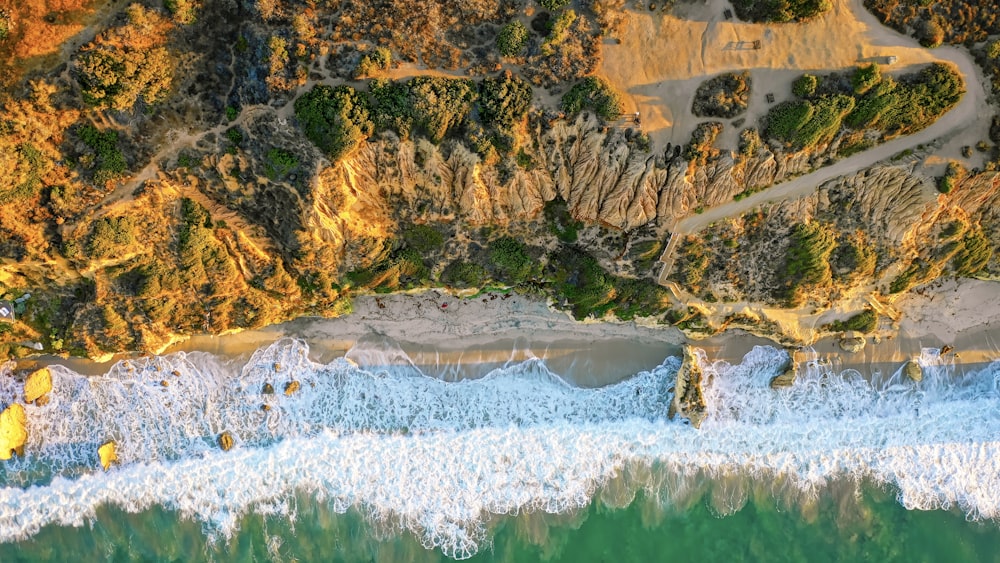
column 662, row 58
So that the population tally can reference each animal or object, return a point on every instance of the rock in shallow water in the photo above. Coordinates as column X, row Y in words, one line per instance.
column 688, row 401
column 37, row 385
column 13, row 431
column 108, row 454
column 225, row 441
column 913, row 370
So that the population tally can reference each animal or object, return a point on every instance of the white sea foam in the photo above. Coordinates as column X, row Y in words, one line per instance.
column 440, row 458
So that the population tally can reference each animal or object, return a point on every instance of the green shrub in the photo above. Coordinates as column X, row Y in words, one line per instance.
column 787, row 117
column 561, row 223
column 109, row 161
column 780, row 10
column 553, row 4
column 866, row 321
column 512, row 39
column 992, row 50
column 807, row 261
column 464, row 274
column 373, row 63
column 805, row 124
column 434, row 106
column 976, row 252
column 184, row 11
column 504, row 99
column 111, row 236
column 558, row 32
column 865, row 77
column 805, row 86
column 906, row 279
column 725, row 96
column 423, row 238
column 337, row 119
column 595, row 94
column 279, row 163
column 953, row 174
column 511, row 261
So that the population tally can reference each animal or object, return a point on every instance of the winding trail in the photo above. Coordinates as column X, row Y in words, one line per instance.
column 967, row 111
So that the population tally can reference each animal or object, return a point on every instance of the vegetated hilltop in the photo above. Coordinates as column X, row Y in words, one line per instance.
column 210, row 166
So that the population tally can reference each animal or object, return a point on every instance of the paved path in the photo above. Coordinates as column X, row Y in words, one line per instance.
column 957, row 119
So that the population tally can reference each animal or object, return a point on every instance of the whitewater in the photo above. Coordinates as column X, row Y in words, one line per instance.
column 371, row 432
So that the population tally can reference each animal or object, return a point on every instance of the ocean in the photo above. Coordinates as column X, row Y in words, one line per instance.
column 370, row 459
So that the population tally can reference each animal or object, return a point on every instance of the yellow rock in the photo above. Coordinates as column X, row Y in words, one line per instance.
column 225, row 441
column 13, row 432
column 108, row 454
column 37, row 385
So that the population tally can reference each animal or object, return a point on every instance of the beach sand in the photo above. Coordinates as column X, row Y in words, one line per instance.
column 453, row 337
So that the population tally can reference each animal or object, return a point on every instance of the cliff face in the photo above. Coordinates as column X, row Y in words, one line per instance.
column 603, row 174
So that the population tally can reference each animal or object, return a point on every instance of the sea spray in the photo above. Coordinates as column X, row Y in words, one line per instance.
column 441, row 459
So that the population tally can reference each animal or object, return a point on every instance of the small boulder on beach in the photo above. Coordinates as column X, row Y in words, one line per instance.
column 852, row 342
column 914, row 371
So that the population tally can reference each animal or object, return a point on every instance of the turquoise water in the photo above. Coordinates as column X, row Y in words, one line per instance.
column 378, row 462
column 873, row 527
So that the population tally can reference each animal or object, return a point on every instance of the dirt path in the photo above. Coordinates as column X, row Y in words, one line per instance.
column 971, row 108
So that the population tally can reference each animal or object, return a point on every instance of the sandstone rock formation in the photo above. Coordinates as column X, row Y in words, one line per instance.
column 688, row 401
column 291, row 387
column 13, row 431
column 37, row 385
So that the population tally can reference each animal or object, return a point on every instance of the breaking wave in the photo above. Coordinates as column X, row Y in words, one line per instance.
column 442, row 459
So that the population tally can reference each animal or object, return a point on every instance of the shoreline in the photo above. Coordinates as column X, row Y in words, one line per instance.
column 452, row 337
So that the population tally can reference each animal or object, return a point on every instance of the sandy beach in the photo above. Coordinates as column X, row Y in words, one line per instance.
column 452, row 337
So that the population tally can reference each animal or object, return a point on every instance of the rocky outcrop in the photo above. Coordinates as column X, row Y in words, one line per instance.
column 108, row 454
column 37, row 385
column 852, row 342
column 787, row 378
column 689, row 401
column 225, row 441
column 913, row 370
column 291, row 387
column 13, row 431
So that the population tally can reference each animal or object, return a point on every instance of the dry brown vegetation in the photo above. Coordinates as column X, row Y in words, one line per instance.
column 950, row 21
column 36, row 29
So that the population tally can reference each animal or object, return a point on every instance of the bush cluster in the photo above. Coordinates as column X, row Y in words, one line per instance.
column 512, row 39
column 724, row 96
column 780, row 10
column 872, row 102
column 595, row 94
